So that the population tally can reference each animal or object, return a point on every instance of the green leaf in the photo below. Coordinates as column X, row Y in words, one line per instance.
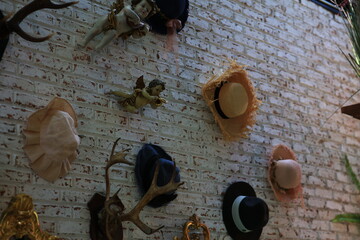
column 352, row 23
column 347, row 217
column 351, row 173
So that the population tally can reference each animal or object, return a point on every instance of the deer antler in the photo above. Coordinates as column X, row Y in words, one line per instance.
column 154, row 190
column 7, row 27
column 112, row 213
column 113, row 206
column 114, row 158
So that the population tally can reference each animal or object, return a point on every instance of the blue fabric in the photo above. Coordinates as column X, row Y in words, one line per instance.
column 170, row 9
column 146, row 161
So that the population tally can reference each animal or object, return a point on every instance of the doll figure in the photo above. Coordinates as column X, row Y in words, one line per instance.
column 142, row 95
column 122, row 21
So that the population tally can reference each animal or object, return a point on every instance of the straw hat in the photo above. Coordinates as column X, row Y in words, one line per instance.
column 244, row 214
column 231, row 98
column 284, row 174
column 51, row 139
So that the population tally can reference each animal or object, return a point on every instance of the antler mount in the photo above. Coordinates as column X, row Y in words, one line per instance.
column 109, row 211
column 7, row 27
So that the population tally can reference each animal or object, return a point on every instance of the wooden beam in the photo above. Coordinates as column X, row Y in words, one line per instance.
column 352, row 110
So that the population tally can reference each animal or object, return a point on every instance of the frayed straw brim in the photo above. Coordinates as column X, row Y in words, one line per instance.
column 281, row 152
column 237, row 127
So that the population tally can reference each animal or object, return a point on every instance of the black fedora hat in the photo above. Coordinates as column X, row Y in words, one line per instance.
column 169, row 9
column 244, row 214
column 148, row 157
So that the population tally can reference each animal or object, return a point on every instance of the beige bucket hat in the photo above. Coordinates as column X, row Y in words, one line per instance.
column 232, row 101
column 51, row 139
column 285, row 174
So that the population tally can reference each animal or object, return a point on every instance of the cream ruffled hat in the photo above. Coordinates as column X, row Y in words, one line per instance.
column 231, row 98
column 285, row 174
column 51, row 139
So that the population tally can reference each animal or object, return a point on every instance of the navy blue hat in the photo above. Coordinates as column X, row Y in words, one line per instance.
column 169, row 9
column 146, row 162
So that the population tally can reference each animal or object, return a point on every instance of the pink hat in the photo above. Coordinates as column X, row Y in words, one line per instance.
column 51, row 139
column 284, row 174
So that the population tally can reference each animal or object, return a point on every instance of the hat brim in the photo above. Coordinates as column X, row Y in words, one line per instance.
column 40, row 162
column 57, row 104
column 281, row 152
column 237, row 127
column 233, row 191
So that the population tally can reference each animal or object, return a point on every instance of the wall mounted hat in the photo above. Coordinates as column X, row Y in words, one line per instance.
column 231, row 98
column 170, row 10
column 108, row 212
column 51, row 139
column 147, row 159
column 244, row 214
column 284, row 174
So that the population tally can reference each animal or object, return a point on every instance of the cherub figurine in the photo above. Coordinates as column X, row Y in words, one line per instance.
column 123, row 21
column 142, row 95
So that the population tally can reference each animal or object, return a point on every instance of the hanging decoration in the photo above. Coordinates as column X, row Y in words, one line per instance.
column 148, row 159
column 108, row 213
column 169, row 20
column 244, row 214
column 284, row 174
column 19, row 220
column 51, row 139
column 124, row 20
column 194, row 223
column 232, row 101
column 142, row 95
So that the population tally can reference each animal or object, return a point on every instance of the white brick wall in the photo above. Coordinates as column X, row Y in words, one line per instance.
column 291, row 49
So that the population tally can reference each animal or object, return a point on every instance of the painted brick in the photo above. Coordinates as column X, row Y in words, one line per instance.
column 339, row 227
column 300, row 75
column 315, row 202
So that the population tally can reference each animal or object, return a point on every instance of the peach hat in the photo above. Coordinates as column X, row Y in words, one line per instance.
column 51, row 139
column 285, row 174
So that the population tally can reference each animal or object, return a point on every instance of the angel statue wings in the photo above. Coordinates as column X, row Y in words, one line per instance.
column 125, row 19
column 142, row 95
